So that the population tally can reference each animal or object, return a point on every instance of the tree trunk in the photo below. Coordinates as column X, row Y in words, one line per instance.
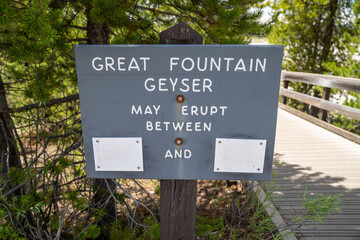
column 98, row 33
column 329, row 31
column 9, row 154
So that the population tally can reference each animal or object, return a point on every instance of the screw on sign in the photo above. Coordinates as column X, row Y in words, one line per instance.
column 178, row 141
column 180, row 98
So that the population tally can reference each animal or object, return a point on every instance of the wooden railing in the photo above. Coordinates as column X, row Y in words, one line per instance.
column 327, row 82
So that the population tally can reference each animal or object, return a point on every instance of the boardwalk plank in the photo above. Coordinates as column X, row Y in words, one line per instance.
column 324, row 163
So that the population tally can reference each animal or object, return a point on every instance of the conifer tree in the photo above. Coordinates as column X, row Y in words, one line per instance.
column 312, row 33
column 350, row 67
column 37, row 72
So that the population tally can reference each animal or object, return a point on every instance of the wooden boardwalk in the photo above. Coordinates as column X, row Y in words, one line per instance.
column 323, row 162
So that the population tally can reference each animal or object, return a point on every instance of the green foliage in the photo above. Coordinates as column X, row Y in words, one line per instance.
column 311, row 32
column 16, row 175
column 260, row 224
column 50, row 191
column 238, row 216
column 93, row 232
column 320, row 37
column 157, row 190
column 350, row 67
column 319, row 207
column 33, row 37
column 7, row 233
column 55, row 222
column 120, row 230
column 352, row 100
column 211, row 228
column 153, row 230
column 224, row 22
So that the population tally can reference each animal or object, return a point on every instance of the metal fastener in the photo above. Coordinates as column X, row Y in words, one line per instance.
column 178, row 141
column 180, row 98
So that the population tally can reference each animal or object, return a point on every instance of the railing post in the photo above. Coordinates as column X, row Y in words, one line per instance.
column 325, row 96
column 285, row 85
column 178, row 197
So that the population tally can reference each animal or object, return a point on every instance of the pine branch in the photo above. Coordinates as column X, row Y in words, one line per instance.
column 158, row 11
column 48, row 104
column 77, row 39
column 191, row 17
column 78, row 27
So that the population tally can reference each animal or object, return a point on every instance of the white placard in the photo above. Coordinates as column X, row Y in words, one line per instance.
column 118, row 154
column 239, row 155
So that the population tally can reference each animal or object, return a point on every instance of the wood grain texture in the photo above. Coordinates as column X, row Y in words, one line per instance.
column 285, row 85
column 177, row 209
column 181, row 33
column 309, row 156
column 325, row 96
column 350, row 84
column 178, row 197
column 322, row 104
column 343, row 133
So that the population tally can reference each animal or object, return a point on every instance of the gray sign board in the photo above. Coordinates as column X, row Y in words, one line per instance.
column 179, row 111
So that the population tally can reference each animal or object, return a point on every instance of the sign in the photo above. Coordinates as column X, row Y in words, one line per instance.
column 179, row 111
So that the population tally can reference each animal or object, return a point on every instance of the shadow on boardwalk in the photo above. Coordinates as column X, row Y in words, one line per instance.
column 291, row 181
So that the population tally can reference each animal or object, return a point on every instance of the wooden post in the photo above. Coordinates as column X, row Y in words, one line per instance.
column 325, row 96
column 285, row 85
column 178, row 197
